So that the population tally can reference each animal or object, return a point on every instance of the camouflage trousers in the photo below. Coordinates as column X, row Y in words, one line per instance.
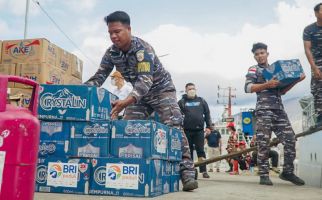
column 166, row 106
column 277, row 121
column 316, row 90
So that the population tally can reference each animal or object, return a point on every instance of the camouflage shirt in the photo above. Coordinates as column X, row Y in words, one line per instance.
column 139, row 66
column 313, row 33
column 266, row 99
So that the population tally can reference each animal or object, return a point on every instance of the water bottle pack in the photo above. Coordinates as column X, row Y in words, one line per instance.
column 286, row 71
column 81, row 151
column 63, row 175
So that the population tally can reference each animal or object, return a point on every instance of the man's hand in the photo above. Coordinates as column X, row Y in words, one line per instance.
column 273, row 83
column 119, row 105
column 317, row 73
column 283, row 91
column 302, row 77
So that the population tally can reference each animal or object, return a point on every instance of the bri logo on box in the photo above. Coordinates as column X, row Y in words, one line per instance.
column 113, row 172
column 121, row 171
column 122, row 176
column 61, row 99
column 62, row 174
column 55, row 171
column 62, row 169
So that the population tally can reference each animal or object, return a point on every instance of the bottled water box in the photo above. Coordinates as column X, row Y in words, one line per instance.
column 62, row 175
column 89, row 139
column 175, row 177
column 139, row 139
column 166, row 176
column 54, row 138
column 74, row 103
column 286, row 71
column 126, row 177
column 174, row 149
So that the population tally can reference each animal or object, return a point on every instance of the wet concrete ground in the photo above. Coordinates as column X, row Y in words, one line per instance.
column 220, row 186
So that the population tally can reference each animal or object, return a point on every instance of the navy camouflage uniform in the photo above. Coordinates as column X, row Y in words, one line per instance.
column 313, row 33
column 270, row 116
column 153, row 90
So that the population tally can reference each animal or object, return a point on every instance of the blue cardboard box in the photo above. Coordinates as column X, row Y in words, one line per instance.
column 175, row 139
column 74, row 103
column 139, row 139
column 54, row 138
column 90, row 139
column 62, row 175
column 286, row 71
column 166, row 176
column 126, row 177
column 175, row 177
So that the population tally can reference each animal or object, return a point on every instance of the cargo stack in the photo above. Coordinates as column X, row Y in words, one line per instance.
column 144, row 160
column 75, row 127
column 82, row 151
column 39, row 60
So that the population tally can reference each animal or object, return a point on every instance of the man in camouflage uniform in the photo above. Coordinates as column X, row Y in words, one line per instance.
column 270, row 116
column 312, row 37
column 153, row 89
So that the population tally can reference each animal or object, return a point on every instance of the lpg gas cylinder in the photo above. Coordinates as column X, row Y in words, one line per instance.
column 19, row 141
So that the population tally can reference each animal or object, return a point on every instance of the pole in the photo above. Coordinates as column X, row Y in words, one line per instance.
column 272, row 143
column 229, row 102
column 26, row 19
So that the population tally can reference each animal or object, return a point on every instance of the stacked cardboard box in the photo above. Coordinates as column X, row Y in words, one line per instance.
column 83, row 151
column 143, row 156
column 75, row 127
column 39, row 60
column 138, row 149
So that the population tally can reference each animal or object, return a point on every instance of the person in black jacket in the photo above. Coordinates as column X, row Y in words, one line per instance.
column 196, row 114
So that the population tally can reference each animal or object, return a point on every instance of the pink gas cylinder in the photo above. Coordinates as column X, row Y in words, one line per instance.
column 19, row 141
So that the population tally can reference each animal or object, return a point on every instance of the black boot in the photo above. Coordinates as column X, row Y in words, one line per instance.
column 205, row 175
column 189, row 184
column 292, row 178
column 265, row 180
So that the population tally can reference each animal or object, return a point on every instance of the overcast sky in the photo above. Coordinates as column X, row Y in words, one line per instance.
column 208, row 41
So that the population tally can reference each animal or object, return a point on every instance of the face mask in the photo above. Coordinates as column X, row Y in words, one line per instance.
column 191, row 93
column 113, row 82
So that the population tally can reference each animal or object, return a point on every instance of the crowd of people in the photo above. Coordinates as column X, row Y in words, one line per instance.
column 154, row 92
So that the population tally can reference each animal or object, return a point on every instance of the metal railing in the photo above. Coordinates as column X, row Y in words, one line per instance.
column 308, row 114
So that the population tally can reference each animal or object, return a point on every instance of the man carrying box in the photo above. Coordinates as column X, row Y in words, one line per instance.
column 270, row 116
column 153, row 89
column 312, row 37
